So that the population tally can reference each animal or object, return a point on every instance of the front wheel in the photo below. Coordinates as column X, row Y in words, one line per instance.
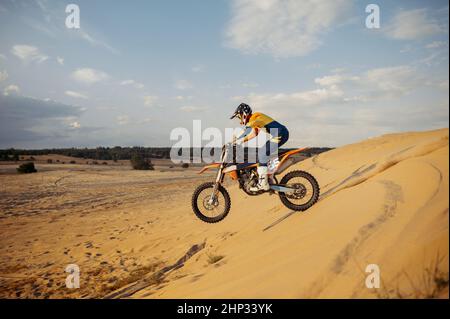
column 306, row 191
column 210, row 211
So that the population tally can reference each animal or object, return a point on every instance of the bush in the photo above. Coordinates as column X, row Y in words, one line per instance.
column 139, row 162
column 94, row 162
column 105, row 163
column 73, row 162
column 26, row 168
column 49, row 161
column 185, row 165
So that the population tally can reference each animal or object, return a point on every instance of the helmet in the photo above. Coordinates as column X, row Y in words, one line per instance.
column 242, row 111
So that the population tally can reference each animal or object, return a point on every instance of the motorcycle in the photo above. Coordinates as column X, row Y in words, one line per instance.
column 297, row 190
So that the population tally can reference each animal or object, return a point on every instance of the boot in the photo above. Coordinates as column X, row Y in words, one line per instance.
column 263, row 183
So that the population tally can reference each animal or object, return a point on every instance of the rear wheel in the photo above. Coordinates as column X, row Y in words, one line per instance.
column 306, row 192
column 210, row 211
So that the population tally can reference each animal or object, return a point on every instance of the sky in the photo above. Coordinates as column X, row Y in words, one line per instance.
column 136, row 70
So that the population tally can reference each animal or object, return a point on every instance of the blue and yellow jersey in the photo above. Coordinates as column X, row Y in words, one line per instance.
column 260, row 121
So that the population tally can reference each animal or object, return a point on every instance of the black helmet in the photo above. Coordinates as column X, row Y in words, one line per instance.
column 243, row 110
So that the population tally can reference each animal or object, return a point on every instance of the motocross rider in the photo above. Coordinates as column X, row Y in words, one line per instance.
column 254, row 123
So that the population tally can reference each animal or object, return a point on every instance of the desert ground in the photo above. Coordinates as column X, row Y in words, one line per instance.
column 133, row 234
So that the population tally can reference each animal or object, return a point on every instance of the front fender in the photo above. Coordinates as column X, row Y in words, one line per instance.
column 213, row 165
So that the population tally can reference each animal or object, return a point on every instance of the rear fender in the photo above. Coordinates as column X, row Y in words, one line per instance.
column 288, row 160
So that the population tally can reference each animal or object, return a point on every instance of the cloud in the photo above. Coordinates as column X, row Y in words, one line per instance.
column 341, row 89
column 191, row 108
column 75, row 125
column 89, row 76
column 76, row 95
column 391, row 81
column 183, row 85
column 334, row 79
column 198, row 68
column 149, row 100
column 413, row 24
column 95, row 42
column 3, row 75
column 132, row 83
column 250, row 85
column 123, row 119
column 11, row 89
column 60, row 60
column 436, row 45
column 28, row 53
column 183, row 98
column 26, row 119
column 282, row 28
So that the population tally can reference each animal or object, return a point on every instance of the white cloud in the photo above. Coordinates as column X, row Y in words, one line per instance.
column 371, row 85
column 3, row 75
column 28, row 53
column 60, row 60
column 183, row 98
column 183, row 85
column 132, row 83
column 75, row 125
column 437, row 45
column 413, row 24
column 11, row 89
column 76, row 95
column 95, row 42
column 282, row 28
column 89, row 76
column 150, row 100
column 391, row 81
column 334, row 79
column 198, row 68
column 191, row 108
column 250, row 85
column 123, row 119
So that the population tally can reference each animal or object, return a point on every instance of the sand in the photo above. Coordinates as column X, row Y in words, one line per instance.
column 133, row 234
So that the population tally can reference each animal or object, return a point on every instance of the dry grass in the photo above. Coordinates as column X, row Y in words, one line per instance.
column 432, row 284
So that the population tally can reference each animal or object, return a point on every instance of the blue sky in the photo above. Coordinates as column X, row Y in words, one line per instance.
column 136, row 70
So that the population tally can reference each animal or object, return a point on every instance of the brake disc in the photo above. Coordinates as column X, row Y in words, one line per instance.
column 299, row 193
column 207, row 205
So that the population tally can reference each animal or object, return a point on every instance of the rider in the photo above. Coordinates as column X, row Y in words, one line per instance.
column 256, row 122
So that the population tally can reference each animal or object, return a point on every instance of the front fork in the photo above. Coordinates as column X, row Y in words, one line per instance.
column 219, row 179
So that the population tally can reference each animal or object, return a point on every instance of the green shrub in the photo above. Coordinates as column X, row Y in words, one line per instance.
column 73, row 162
column 26, row 168
column 141, row 163
column 185, row 165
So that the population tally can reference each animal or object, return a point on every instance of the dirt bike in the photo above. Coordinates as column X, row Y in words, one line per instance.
column 298, row 190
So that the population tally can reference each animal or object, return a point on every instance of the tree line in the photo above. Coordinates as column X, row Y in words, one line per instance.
column 116, row 153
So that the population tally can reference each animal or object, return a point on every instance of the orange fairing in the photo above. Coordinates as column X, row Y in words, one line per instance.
column 214, row 165
column 233, row 175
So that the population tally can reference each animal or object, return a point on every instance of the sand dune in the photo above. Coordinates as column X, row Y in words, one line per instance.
column 384, row 201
